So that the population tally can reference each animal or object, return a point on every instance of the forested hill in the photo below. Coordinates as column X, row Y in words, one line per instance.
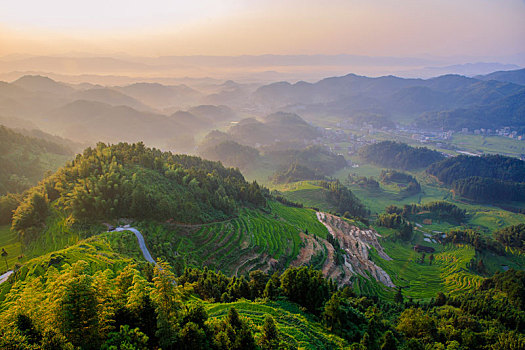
column 131, row 180
column 487, row 178
column 390, row 154
column 491, row 166
column 25, row 159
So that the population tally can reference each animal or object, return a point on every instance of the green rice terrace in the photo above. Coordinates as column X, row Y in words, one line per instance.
column 254, row 240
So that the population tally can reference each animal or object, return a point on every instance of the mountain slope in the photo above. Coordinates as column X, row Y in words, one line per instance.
column 25, row 160
column 513, row 76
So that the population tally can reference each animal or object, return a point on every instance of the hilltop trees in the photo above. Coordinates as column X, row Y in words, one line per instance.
column 130, row 180
column 390, row 154
column 512, row 236
column 486, row 178
column 343, row 199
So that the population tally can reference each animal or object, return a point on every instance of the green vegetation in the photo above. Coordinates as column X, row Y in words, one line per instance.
column 407, row 184
column 488, row 144
column 297, row 328
column 489, row 166
column 125, row 180
column 512, row 236
column 303, row 219
column 307, row 193
column 216, row 146
column 254, row 240
column 390, row 154
column 486, row 178
column 224, row 248
column 26, row 159
column 439, row 210
column 10, row 243
column 99, row 293
column 295, row 173
column 326, row 195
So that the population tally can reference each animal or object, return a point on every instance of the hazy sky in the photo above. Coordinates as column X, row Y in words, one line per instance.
column 233, row 27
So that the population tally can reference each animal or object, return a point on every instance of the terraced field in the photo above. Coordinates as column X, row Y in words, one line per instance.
column 302, row 219
column 448, row 272
column 254, row 240
column 295, row 327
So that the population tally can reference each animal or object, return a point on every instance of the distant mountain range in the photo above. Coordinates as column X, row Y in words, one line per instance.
column 453, row 99
column 253, row 68
column 170, row 116
column 89, row 113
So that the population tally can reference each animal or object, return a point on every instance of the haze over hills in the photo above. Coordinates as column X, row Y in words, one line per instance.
column 153, row 112
column 250, row 68
column 262, row 175
column 513, row 76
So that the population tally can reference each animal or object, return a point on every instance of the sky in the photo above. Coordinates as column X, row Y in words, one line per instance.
column 253, row 27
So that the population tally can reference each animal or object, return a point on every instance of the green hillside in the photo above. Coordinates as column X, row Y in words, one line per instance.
column 100, row 293
column 26, row 159
column 239, row 268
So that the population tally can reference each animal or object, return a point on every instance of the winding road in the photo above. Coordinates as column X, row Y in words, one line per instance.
column 142, row 243
column 5, row 276
column 140, row 238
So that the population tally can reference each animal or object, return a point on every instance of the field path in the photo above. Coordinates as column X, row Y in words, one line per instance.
column 142, row 243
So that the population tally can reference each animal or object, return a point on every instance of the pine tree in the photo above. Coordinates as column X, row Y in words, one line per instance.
column 269, row 334
column 78, row 312
column 166, row 299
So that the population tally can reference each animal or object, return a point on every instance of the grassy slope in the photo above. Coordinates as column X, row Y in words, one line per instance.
column 10, row 242
column 295, row 327
column 306, row 193
column 112, row 251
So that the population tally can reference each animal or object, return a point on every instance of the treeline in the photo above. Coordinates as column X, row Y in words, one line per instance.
column 512, row 236
column 390, row 154
column 151, row 308
column 8, row 205
column 396, row 221
column 131, row 180
column 483, row 189
column 477, row 240
column 21, row 159
column 439, row 210
column 343, row 199
column 489, row 166
column 486, row 178
column 364, row 182
column 286, row 202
